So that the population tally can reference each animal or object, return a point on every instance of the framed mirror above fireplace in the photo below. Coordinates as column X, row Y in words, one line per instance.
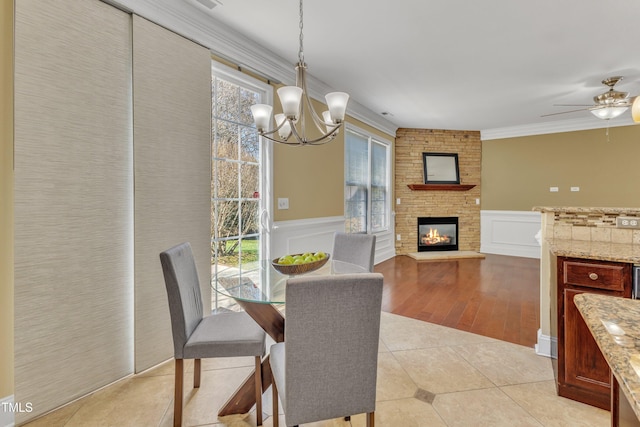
column 437, row 234
column 441, row 168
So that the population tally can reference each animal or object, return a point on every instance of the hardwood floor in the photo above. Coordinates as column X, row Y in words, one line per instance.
column 498, row 297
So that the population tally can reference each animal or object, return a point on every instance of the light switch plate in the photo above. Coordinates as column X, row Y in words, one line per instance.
column 283, row 203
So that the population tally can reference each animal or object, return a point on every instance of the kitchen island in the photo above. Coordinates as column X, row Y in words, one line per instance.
column 583, row 250
column 578, row 232
column 615, row 326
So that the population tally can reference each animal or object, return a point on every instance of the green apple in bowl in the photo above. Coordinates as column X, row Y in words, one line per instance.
column 285, row 260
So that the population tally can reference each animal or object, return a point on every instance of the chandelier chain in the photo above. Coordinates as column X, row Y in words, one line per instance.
column 301, row 50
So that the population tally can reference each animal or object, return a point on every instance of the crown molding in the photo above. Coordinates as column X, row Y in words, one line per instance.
column 585, row 123
column 193, row 23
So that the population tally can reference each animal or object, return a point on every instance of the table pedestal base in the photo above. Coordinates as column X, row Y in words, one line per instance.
column 272, row 322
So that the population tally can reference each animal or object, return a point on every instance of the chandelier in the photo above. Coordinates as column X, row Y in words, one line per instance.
column 298, row 111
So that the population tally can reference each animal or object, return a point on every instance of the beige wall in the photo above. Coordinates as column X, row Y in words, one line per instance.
column 6, row 198
column 517, row 172
column 312, row 178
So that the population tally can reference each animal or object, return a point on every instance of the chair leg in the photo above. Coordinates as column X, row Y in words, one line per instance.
column 196, row 373
column 274, row 398
column 371, row 419
column 177, row 397
column 258, row 378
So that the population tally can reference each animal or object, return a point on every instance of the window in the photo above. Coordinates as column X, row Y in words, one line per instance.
column 367, row 172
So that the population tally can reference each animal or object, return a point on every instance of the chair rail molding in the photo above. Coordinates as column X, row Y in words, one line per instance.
column 510, row 233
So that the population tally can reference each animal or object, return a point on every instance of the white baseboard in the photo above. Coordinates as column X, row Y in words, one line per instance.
column 547, row 346
column 510, row 233
column 7, row 418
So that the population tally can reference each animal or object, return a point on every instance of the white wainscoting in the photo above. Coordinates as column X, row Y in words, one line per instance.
column 510, row 233
column 316, row 234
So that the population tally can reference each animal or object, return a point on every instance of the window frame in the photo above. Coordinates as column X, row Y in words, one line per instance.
column 371, row 139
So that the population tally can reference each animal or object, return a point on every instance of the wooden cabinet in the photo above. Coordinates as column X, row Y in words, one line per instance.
column 583, row 373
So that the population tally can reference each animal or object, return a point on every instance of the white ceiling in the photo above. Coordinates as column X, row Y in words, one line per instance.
column 454, row 64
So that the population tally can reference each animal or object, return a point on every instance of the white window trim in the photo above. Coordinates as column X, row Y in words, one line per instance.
column 389, row 145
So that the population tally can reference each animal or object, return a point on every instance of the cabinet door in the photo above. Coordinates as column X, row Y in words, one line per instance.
column 585, row 366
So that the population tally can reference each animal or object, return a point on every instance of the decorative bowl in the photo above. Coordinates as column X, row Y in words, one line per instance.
column 299, row 268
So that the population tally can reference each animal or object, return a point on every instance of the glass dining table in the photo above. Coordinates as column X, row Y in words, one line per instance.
column 261, row 292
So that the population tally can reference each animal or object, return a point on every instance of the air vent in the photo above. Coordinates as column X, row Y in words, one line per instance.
column 209, row 4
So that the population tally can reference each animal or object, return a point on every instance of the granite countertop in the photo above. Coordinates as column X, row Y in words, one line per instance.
column 607, row 251
column 615, row 324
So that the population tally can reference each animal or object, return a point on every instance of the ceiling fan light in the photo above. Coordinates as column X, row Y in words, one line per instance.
column 609, row 112
column 635, row 110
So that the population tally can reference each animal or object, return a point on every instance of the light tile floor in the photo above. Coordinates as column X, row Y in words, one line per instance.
column 428, row 375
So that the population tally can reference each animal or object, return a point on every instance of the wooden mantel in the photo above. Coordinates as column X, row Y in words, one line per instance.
column 441, row 187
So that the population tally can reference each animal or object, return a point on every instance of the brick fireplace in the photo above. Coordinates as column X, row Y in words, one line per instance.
column 409, row 146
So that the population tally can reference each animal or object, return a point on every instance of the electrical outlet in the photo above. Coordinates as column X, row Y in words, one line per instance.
column 283, row 203
column 398, row 237
column 627, row 222
column 553, row 189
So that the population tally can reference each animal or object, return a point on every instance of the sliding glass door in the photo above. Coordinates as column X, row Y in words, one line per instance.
column 240, row 184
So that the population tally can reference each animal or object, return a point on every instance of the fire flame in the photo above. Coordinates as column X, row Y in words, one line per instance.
column 433, row 237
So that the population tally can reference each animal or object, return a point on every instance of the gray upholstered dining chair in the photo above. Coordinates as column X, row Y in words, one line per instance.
column 327, row 365
column 354, row 248
column 195, row 336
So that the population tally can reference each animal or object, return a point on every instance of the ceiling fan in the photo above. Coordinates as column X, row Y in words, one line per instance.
column 608, row 105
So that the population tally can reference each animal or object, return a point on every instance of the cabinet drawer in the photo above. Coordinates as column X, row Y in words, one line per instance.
column 610, row 276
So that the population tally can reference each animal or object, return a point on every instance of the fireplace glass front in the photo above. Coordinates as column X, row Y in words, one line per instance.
column 437, row 234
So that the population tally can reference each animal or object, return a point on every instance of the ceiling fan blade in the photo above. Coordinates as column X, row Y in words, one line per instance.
column 573, row 105
column 564, row 112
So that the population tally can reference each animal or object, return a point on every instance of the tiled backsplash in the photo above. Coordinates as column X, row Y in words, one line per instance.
column 590, row 224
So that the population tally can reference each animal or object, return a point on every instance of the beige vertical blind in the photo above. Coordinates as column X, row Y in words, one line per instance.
column 172, row 122
column 73, row 200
